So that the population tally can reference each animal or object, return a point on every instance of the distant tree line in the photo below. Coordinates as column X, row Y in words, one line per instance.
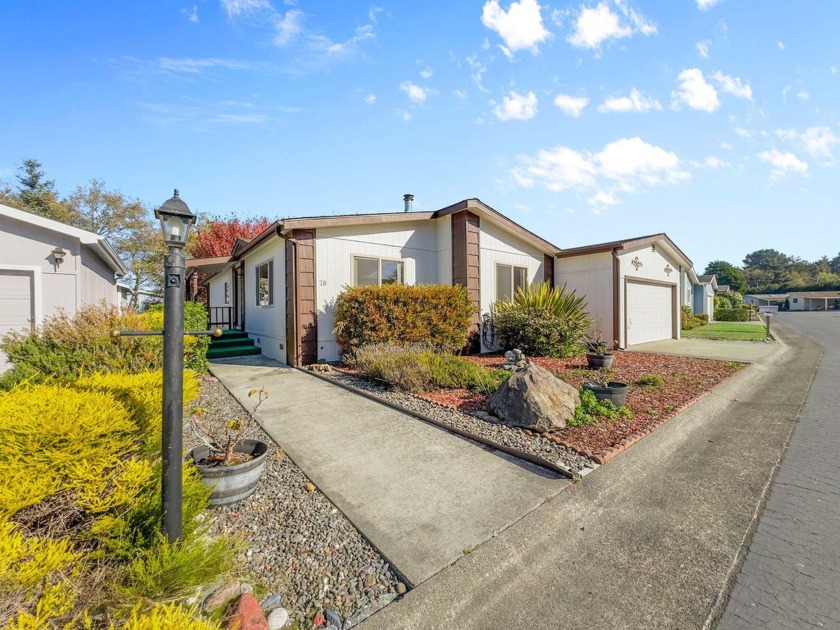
column 127, row 223
column 770, row 271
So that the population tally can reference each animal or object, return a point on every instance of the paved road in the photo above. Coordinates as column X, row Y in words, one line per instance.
column 649, row 540
column 791, row 575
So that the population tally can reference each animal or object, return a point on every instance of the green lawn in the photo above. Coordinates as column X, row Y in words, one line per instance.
column 727, row 330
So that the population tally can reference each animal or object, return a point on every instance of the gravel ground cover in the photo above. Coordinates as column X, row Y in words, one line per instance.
column 444, row 407
column 298, row 544
column 686, row 379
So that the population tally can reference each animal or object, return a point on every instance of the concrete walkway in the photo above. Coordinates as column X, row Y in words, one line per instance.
column 720, row 349
column 421, row 495
column 651, row 540
column 791, row 576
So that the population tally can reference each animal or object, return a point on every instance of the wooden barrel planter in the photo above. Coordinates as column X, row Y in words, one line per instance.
column 232, row 483
column 615, row 392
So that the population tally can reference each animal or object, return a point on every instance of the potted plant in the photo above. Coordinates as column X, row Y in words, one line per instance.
column 227, row 463
column 614, row 391
column 598, row 354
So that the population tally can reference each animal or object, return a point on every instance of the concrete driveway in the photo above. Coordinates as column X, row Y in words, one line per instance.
column 422, row 496
column 722, row 350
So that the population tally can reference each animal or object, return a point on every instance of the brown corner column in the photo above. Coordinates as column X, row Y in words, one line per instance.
column 466, row 267
column 301, row 310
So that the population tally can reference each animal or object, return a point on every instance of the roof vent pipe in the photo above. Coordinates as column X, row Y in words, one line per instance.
column 408, row 199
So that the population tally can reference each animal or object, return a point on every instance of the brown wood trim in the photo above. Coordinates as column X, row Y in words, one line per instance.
column 466, row 266
column 548, row 270
column 626, row 244
column 291, row 300
column 355, row 219
column 301, row 299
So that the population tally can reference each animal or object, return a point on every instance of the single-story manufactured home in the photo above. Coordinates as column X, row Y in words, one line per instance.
column 765, row 299
column 704, row 295
column 813, row 300
column 46, row 266
column 281, row 286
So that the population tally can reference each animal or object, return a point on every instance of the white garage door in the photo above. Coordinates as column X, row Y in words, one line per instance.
column 16, row 304
column 650, row 312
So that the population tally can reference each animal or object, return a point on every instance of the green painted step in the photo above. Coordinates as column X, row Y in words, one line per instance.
column 226, row 343
column 233, row 351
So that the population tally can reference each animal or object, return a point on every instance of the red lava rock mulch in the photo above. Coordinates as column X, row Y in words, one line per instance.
column 686, row 380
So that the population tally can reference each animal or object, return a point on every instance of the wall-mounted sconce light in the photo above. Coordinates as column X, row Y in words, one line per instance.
column 58, row 254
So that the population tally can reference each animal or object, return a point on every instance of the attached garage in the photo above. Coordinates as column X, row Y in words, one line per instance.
column 649, row 312
column 17, row 308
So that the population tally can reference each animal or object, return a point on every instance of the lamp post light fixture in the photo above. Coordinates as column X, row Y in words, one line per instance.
column 175, row 220
column 58, row 254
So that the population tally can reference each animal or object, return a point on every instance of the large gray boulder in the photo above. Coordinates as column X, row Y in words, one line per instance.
column 533, row 397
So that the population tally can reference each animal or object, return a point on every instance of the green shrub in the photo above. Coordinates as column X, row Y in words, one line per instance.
column 688, row 320
column 66, row 347
column 419, row 368
column 732, row 299
column 592, row 410
column 649, row 381
column 436, row 315
column 543, row 321
column 732, row 314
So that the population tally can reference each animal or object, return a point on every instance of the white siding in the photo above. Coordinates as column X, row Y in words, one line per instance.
column 653, row 267
column 216, row 289
column 591, row 275
column 266, row 325
column 415, row 243
column 444, row 240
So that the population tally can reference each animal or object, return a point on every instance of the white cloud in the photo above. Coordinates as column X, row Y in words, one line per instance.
column 370, row 99
column 742, row 133
column 781, row 45
column 783, row 163
column 517, row 107
column 733, row 85
column 705, row 5
column 711, row 162
column 636, row 102
column 288, row 27
column 521, row 26
column 188, row 65
column 461, row 94
column 324, row 45
column 191, row 13
column 372, row 13
column 426, row 73
column 626, row 165
column 478, row 72
column 833, row 69
column 415, row 92
column 237, row 7
column 595, row 25
column 695, row 92
column 726, row 146
column 703, row 48
column 571, row 105
column 817, row 141
column 803, row 95
column 601, row 200
column 405, row 115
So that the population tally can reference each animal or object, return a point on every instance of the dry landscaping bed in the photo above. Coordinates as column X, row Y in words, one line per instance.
column 297, row 543
column 685, row 381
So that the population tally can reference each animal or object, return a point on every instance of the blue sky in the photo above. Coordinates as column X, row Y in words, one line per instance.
column 715, row 121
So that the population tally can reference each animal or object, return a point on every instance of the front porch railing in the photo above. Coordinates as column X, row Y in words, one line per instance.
column 223, row 317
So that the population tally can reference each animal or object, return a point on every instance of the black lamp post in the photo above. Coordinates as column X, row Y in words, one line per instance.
column 175, row 220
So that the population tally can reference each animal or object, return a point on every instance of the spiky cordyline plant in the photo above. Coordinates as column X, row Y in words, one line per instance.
column 553, row 300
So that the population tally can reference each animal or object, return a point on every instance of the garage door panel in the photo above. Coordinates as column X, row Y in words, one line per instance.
column 650, row 312
column 16, row 305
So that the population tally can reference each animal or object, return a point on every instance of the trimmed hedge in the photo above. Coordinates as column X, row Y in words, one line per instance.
column 732, row 314
column 433, row 314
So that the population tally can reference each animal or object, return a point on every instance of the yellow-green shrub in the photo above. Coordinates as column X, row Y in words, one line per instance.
column 167, row 617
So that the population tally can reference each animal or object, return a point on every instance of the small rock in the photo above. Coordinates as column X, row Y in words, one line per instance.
column 271, row 602
column 248, row 615
column 370, row 581
column 246, row 588
column 333, row 618
column 309, row 486
column 318, row 620
column 387, row 598
column 222, row 595
column 277, row 618
column 401, row 588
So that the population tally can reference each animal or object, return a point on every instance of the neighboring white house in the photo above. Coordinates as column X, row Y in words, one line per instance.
column 634, row 287
column 765, row 299
column 704, row 295
column 46, row 266
column 281, row 287
column 813, row 300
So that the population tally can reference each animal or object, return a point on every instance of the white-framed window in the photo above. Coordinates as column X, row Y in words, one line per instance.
column 227, row 293
column 509, row 278
column 795, row 300
column 377, row 271
column 265, row 283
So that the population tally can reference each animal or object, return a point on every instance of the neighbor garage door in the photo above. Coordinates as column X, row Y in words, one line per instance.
column 16, row 306
column 650, row 312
